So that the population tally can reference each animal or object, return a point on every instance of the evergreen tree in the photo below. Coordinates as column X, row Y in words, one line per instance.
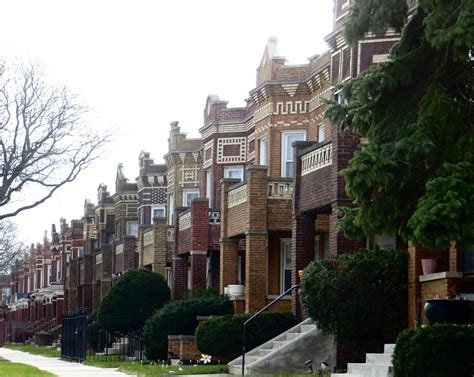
column 415, row 174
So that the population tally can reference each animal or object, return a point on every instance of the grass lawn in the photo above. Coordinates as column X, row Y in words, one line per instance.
column 8, row 369
column 44, row 351
column 158, row 370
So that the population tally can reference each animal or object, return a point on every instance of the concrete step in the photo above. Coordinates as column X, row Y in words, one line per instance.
column 345, row 375
column 250, row 359
column 278, row 343
column 292, row 335
column 306, row 328
column 370, row 370
column 389, row 348
column 263, row 352
column 378, row 358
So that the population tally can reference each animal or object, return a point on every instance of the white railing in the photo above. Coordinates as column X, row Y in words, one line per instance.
column 237, row 196
column 317, row 159
column 280, row 189
column 185, row 221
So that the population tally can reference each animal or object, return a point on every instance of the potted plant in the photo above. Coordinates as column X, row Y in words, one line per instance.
column 445, row 310
column 429, row 265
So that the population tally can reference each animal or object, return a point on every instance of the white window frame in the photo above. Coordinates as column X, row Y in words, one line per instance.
column 186, row 192
column 171, row 209
column 239, row 168
column 58, row 269
column 284, row 146
column 209, row 185
column 35, row 281
column 263, row 159
column 321, row 133
column 50, row 278
column 161, row 207
column 285, row 247
column 132, row 228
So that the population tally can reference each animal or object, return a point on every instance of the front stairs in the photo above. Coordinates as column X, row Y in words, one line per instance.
column 376, row 365
column 288, row 352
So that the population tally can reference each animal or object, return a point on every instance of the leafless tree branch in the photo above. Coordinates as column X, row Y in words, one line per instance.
column 45, row 141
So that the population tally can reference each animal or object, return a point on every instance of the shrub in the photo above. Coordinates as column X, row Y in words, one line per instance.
column 361, row 297
column 441, row 350
column 179, row 318
column 131, row 300
column 222, row 337
column 93, row 329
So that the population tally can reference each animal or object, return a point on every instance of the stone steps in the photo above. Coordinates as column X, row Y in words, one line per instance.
column 376, row 365
column 288, row 352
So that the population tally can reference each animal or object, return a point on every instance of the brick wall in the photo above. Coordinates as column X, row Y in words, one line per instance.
column 183, row 347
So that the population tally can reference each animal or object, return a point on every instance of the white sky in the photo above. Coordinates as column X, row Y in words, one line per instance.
column 142, row 64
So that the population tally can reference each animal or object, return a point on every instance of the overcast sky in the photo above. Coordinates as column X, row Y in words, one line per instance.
column 144, row 63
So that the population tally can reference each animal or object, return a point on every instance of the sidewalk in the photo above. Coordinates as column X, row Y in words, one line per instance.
column 59, row 367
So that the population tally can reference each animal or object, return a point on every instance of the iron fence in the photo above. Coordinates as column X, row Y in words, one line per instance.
column 81, row 340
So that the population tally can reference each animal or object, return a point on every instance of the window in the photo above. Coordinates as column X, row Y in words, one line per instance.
column 50, row 278
column 132, row 228
column 58, row 270
column 171, row 209
column 236, row 172
column 467, row 253
column 285, row 264
column 263, row 151
column 35, row 281
column 209, row 186
column 321, row 135
column 158, row 212
column 288, row 138
column 189, row 195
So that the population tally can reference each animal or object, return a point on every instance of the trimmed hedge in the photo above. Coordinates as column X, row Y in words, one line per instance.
column 179, row 318
column 442, row 350
column 222, row 337
column 361, row 297
column 135, row 296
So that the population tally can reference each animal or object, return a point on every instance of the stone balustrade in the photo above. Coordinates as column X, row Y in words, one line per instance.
column 316, row 159
column 280, row 189
column 237, row 196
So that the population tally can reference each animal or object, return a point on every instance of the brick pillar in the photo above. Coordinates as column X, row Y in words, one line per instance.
column 72, row 290
column 302, row 253
column 199, row 242
column 129, row 253
column 198, row 269
column 229, row 258
column 180, row 277
column 415, row 254
column 59, row 308
column 160, row 245
column 453, row 256
column 107, row 252
column 256, row 243
column 256, row 270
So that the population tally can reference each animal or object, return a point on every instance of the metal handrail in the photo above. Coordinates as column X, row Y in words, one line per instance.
column 255, row 315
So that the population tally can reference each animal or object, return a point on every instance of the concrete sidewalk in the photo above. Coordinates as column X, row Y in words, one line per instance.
column 59, row 367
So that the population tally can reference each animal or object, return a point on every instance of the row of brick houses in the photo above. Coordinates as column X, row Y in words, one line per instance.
column 248, row 204
column 238, row 206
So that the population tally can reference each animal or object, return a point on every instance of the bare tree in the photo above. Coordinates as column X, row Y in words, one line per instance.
column 10, row 248
column 45, row 140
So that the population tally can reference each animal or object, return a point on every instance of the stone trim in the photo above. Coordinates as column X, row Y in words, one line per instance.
column 441, row 275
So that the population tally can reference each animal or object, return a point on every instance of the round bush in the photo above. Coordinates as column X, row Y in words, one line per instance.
column 361, row 297
column 179, row 318
column 131, row 300
column 442, row 350
column 222, row 337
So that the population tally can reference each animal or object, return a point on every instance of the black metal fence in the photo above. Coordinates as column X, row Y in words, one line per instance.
column 81, row 341
column 73, row 337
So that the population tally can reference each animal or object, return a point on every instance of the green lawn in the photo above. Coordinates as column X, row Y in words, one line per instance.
column 158, row 370
column 8, row 369
column 44, row 351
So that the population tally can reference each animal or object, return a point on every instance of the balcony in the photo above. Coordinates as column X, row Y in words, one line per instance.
column 316, row 159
